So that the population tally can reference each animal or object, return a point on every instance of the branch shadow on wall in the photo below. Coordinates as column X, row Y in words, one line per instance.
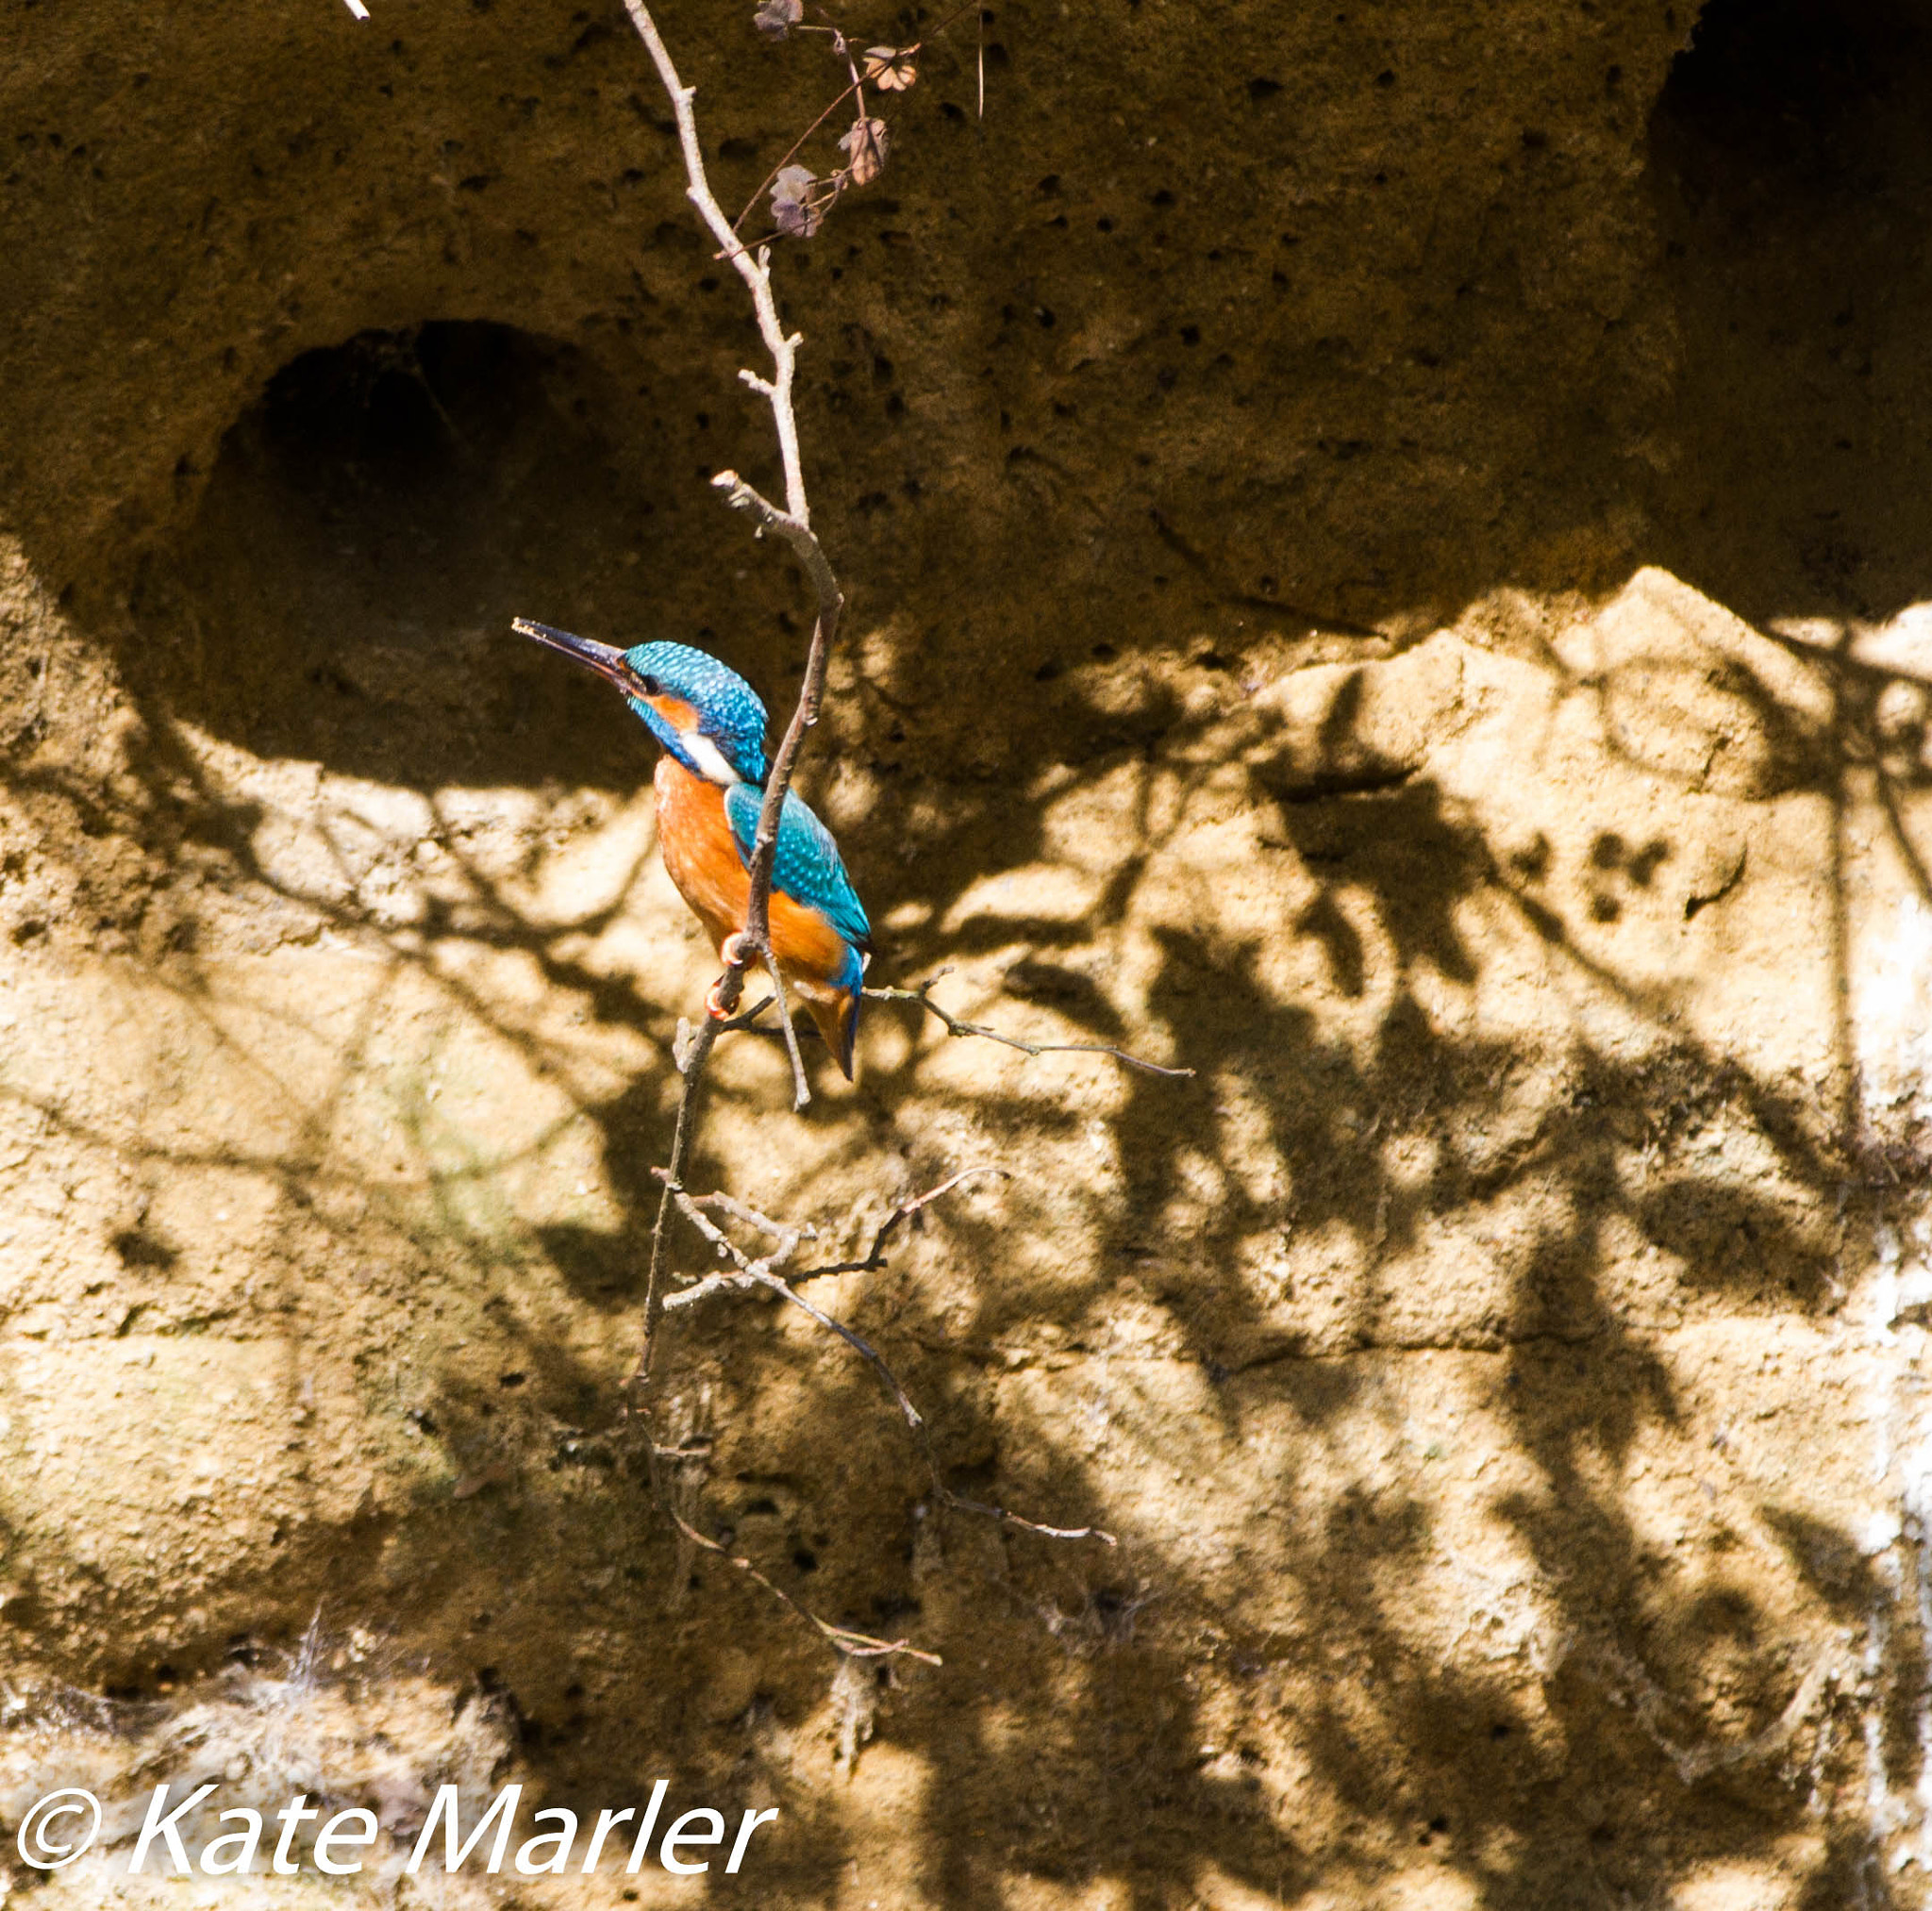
column 1388, row 1146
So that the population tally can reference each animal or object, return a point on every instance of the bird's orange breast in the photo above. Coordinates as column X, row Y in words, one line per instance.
column 701, row 857
column 699, row 851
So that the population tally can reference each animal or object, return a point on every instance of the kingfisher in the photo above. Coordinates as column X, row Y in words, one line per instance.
column 710, row 785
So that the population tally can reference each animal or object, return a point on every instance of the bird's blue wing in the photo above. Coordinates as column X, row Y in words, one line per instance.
column 808, row 866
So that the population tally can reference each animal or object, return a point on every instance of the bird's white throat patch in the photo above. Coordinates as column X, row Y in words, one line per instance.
column 709, row 759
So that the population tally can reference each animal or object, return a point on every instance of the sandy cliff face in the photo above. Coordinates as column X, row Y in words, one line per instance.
column 1385, row 551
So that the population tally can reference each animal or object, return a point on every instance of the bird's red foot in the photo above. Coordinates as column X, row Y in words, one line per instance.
column 728, row 950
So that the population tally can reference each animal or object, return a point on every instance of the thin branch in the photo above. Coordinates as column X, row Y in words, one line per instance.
column 756, row 273
column 749, row 1022
column 779, row 1231
column 747, row 1017
column 795, row 530
column 801, row 1088
column 792, row 154
column 790, row 1238
column 875, row 1255
column 757, row 929
column 794, row 527
column 694, row 1206
column 693, row 1050
column 855, row 1645
column 955, row 1026
column 959, row 1502
column 762, row 1273
column 841, row 1640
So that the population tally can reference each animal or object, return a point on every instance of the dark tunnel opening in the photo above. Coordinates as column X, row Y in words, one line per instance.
column 1796, row 89
column 373, row 522
column 398, row 408
column 1791, row 164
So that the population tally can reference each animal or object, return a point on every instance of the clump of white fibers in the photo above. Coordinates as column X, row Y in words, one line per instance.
column 336, row 1721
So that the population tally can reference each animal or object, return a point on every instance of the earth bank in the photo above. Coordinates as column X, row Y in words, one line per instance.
column 1387, row 569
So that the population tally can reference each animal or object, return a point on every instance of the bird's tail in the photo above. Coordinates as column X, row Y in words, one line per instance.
column 837, row 1015
column 833, row 1002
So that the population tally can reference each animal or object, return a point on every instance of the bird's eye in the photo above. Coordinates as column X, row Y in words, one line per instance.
column 650, row 686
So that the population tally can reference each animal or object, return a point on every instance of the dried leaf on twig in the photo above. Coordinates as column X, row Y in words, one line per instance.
column 892, row 69
column 865, row 146
column 777, row 18
column 794, row 211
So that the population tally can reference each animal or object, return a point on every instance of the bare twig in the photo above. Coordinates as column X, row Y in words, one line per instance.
column 690, row 1065
column 693, row 1205
column 955, row 1026
column 746, row 1018
column 791, row 154
column 875, row 1255
column 801, row 1092
column 855, row 1645
column 842, row 1639
column 779, row 1231
column 762, row 1274
column 754, row 272
column 794, row 527
column 1000, row 1516
column 789, row 1238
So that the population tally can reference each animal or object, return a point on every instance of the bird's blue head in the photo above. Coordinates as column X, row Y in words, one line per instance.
column 702, row 711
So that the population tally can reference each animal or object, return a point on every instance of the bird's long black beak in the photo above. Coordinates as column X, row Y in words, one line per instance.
column 604, row 659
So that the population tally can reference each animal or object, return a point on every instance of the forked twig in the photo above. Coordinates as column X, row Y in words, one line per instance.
column 876, row 1257
column 855, row 1645
column 956, row 1026
column 800, row 1094
column 763, row 1273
